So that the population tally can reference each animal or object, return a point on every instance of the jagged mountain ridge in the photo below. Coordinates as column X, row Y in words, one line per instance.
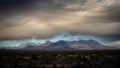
column 69, row 45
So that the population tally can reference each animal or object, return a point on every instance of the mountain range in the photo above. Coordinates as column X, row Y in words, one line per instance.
column 67, row 45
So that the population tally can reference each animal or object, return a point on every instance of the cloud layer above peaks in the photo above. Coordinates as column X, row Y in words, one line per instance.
column 45, row 18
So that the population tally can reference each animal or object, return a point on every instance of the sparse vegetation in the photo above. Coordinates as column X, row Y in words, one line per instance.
column 60, row 59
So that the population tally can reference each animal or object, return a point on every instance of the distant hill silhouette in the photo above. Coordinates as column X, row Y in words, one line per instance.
column 68, row 45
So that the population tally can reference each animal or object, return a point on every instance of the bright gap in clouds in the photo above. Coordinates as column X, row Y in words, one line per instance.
column 36, row 40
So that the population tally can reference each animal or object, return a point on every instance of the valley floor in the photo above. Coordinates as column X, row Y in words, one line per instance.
column 60, row 59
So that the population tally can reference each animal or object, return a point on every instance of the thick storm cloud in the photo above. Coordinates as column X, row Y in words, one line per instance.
column 21, row 19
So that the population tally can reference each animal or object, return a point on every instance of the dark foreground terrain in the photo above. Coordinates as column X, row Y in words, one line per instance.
column 60, row 59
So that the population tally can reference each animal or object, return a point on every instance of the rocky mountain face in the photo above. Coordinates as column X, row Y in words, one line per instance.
column 68, row 45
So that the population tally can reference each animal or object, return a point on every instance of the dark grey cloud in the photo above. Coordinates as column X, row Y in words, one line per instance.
column 50, row 17
column 114, row 12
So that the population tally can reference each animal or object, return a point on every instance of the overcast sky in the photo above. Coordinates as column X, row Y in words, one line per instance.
column 21, row 19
